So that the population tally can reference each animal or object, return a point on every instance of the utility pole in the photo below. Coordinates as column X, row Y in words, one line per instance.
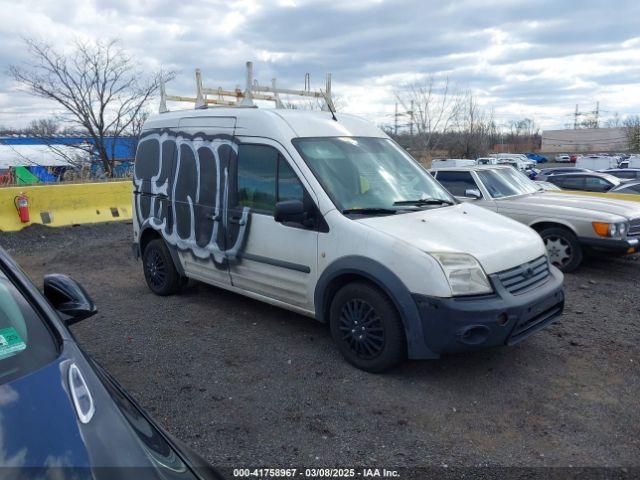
column 597, row 112
column 411, row 121
column 395, row 121
column 575, row 118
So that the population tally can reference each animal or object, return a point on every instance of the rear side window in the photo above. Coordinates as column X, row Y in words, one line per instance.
column 26, row 343
column 456, row 182
column 570, row 183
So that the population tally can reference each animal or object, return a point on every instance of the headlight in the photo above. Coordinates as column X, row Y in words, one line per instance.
column 619, row 229
column 464, row 273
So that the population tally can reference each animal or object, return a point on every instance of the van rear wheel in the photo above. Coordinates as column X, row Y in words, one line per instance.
column 366, row 328
column 159, row 271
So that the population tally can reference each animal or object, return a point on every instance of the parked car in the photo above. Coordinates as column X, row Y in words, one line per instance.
column 527, row 167
column 60, row 410
column 586, row 181
column 537, row 157
column 624, row 173
column 568, row 224
column 563, row 158
column 546, row 172
column 632, row 187
column 333, row 220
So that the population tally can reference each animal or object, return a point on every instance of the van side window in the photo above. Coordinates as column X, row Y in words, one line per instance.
column 289, row 187
column 257, row 177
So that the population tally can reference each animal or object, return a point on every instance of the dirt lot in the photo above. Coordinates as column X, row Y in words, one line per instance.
column 247, row 384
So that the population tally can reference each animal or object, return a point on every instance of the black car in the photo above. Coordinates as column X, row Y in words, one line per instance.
column 624, row 173
column 547, row 172
column 586, row 181
column 61, row 414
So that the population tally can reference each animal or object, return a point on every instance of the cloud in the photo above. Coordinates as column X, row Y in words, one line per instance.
column 537, row 58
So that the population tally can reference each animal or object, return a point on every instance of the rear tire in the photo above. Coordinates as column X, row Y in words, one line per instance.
column 367, row 328
column 563, row 248
column 159, row 271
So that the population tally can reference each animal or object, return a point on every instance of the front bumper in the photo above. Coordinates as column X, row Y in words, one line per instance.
column 465, row 323
column 612, row 245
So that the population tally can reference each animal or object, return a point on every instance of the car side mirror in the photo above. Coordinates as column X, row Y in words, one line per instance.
column 473, row 193
column 289, row 211
column 69, row 298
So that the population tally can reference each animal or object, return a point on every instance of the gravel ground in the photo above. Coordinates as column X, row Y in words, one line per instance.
column 247, row 384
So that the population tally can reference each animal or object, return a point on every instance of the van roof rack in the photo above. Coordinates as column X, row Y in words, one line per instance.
column 244, row 98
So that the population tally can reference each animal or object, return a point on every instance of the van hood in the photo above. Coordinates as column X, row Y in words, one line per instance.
column 496, row 241
column 577, row 205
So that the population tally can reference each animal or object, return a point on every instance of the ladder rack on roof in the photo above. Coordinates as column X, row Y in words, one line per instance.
column 244, row 98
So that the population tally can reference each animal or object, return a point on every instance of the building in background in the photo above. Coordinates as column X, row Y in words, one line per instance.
column 125, row 147
column 585, row 140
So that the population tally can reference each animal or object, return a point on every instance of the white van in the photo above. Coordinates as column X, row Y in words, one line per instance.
column 596, row 162
column 332, row 219
column 452, row 163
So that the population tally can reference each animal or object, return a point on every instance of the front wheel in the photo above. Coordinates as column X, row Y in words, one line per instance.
column 563, row 248
column 159, row 271
column 366, row 328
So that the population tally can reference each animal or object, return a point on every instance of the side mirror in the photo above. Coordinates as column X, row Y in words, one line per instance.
column 69, row 298
column 473, row 193
column 289, row 211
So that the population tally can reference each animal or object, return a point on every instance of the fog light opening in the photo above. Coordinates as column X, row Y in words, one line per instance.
column 503, row 318
column 475, row 335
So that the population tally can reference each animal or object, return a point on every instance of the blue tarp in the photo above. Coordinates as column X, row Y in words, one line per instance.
column 43, row 174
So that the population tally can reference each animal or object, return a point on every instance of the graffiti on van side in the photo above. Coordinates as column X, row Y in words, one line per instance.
column 183, row 185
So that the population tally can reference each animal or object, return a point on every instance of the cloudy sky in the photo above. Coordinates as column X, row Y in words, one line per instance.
column 533, row 58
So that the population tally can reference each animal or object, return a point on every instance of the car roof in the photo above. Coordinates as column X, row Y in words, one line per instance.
column 270, row 123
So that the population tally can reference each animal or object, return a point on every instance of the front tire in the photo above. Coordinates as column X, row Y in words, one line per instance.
column 367, row 328
column 563, row 248
column 159, row 271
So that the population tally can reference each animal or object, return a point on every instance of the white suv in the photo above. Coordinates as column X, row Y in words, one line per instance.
column 332, row 219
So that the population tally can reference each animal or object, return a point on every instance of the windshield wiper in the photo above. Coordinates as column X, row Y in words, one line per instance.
column 424, row 201
column 370, row 211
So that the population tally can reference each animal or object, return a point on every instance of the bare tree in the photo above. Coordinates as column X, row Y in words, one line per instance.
column 432, row 108
column 632, row 130
column 43, row 127
column 97, row 84
column 473, row 129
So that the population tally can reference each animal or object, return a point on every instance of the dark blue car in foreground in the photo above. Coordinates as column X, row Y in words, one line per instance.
column 61, row 414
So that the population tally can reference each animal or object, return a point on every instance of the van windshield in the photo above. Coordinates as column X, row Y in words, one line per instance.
column 370, row 174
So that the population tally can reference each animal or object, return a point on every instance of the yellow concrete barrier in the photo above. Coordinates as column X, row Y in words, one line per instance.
column 67, row 204
column 618, row 196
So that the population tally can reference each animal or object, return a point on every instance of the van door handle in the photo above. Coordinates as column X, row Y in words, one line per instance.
column 237, row 220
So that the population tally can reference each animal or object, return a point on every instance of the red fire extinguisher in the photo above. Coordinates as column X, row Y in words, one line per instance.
column 22, row 206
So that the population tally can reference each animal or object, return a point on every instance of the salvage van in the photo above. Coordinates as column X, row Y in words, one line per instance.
column 323, row 214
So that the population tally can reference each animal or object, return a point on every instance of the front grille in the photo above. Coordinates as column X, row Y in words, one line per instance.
column 525, row 328
column 634, row 228
column 526, row 276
